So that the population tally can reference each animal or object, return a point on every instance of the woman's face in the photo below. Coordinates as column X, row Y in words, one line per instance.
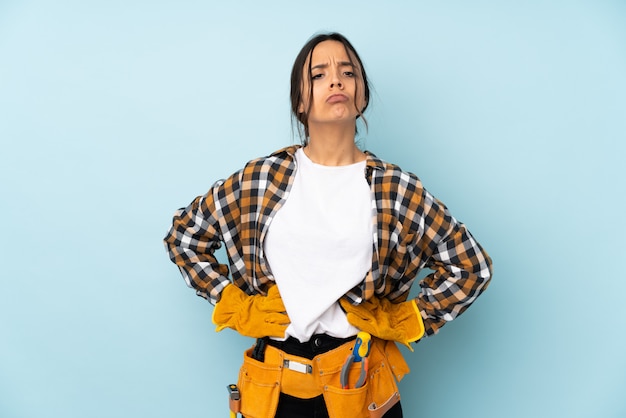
column 338, row 89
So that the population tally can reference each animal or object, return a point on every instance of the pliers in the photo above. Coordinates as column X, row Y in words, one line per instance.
column 359, row 354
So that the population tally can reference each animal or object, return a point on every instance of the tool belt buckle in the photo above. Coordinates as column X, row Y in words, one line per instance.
column 298, row 367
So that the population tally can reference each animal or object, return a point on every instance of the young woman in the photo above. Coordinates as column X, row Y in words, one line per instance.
column 324, row 241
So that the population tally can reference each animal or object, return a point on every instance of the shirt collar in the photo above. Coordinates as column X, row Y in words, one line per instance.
column 372, row 161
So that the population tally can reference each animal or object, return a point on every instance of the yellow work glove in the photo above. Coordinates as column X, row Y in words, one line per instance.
column 399, row 322
column 253, row 316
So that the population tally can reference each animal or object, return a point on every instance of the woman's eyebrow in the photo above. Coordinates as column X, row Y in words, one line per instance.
column 325, row 65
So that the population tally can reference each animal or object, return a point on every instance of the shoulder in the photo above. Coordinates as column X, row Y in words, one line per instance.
column 391, row 175
column 283, row 156
column 276, row 168
column 403, row 193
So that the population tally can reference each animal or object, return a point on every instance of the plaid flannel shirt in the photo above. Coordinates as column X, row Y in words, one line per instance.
column 413, row 231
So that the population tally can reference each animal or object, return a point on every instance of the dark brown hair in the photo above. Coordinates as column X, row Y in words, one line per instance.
column 297, row 81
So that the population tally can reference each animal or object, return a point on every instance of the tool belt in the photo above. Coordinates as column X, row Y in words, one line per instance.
column 261, row 382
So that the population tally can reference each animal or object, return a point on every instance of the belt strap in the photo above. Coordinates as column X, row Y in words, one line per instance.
column 379, row 411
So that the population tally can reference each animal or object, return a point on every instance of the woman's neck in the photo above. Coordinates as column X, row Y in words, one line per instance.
column 332, row 145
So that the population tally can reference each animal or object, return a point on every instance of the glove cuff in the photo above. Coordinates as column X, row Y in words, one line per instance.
column 419, row 331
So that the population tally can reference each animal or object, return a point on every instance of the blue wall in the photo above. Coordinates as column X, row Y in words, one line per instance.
column 113, row 114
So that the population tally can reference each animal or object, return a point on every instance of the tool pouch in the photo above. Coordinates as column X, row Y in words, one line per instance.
column 259, row 384
column 380, row 392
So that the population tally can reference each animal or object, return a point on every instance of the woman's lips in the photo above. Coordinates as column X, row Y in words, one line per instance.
column 337, row 98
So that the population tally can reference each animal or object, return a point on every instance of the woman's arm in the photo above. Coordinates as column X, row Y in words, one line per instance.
column 462, row 269
column 195, row 235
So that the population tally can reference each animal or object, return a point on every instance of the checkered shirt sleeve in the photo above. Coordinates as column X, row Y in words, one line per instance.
column 417, row 231
column 462, row 269
column 196, row 234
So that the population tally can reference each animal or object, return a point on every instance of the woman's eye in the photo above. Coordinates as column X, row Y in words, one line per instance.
column 316, row 76
column 348, row 74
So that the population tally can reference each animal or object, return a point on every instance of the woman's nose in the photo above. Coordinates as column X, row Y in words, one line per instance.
column 336, row 83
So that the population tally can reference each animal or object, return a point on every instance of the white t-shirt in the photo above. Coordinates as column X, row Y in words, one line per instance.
column 319, row 245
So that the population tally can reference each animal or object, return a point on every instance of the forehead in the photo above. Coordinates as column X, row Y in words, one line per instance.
column 330, row 51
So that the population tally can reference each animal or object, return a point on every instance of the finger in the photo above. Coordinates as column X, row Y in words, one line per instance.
column 277, row 318
column 407, row 345
column 273, row 292
column 363, row 315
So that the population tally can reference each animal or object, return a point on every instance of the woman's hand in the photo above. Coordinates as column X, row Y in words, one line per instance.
column 401, row 322
column 253, row 316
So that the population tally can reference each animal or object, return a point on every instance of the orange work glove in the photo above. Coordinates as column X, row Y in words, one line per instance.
column 253, row 316
column 399, row 322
